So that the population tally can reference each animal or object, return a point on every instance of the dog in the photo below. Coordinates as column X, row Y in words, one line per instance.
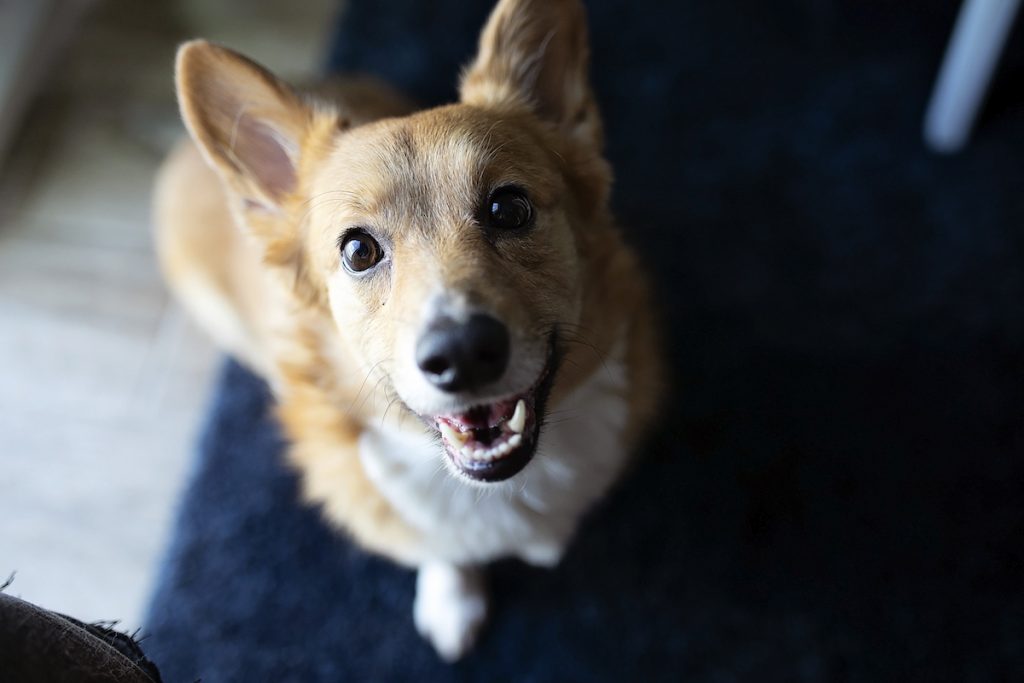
column 462, row 346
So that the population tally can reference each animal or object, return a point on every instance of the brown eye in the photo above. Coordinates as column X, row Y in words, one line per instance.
column 360, row 252
column 508, row 209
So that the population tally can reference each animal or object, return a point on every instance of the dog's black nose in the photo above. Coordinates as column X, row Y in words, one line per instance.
column 463, row 356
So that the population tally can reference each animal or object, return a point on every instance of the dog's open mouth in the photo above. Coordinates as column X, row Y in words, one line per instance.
column 492, row 442
column 495, row 441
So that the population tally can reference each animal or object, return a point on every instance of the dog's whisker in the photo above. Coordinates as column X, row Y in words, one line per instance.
column 601, row 356
column 376, row 387
column 563, row 411
column 439, row 468
column 573, row 363
column 390, row 403
column 359, row 392
column 565, row 420
column 373, row 368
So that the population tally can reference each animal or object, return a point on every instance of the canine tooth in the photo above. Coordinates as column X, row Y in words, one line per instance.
column 518, row 420
column 515, row 441
column 454, row 436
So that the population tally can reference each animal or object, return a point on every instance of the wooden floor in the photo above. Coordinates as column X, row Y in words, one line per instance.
column 103, row 382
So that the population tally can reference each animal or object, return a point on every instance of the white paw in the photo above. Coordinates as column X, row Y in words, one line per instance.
column 450, row 607
column 546, row 555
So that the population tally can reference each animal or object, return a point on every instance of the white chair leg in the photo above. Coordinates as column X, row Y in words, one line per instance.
column 971, row 58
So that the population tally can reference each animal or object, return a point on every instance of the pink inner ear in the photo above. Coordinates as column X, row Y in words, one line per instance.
column 263, row 153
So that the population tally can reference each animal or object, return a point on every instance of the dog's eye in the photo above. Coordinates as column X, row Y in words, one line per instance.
column 508, row 209
column 360, row 252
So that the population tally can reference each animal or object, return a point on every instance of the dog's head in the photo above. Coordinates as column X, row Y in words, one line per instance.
column 447, row 245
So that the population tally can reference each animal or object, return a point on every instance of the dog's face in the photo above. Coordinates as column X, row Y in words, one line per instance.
column 449, row 260
column 445, row 244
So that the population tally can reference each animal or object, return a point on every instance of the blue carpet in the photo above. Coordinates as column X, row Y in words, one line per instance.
column 837, row 489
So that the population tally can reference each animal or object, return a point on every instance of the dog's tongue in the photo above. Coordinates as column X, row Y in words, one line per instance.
column 485, row 435
column 481, row 417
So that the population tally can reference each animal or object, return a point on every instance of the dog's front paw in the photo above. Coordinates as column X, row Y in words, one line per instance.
column 450, row 607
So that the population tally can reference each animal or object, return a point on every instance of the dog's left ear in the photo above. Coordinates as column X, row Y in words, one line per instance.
column 535, row 54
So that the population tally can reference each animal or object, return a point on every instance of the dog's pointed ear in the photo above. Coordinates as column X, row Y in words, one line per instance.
column 535, row 54
column 248, row 124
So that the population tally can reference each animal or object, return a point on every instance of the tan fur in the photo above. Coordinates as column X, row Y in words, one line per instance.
column 255, row 256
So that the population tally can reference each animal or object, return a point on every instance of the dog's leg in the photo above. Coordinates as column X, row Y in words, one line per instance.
column 450, row 607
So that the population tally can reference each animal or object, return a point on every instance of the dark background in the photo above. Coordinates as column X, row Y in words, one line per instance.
column 836, row 491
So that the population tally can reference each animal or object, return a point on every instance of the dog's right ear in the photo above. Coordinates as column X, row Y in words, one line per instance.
column 249, row 125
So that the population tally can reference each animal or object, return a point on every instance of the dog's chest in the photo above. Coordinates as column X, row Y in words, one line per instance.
column 533, row 515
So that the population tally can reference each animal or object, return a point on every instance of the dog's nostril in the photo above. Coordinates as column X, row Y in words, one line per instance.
column 435, row 365
column 456, row 357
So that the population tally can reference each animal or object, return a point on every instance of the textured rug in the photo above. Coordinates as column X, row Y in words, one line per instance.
column 837, row 489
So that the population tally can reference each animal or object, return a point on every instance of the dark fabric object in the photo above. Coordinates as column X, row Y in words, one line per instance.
column 39, row 646
column 837, row 489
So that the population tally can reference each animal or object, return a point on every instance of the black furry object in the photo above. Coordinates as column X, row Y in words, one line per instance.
column 39, row 646
column 835, row 493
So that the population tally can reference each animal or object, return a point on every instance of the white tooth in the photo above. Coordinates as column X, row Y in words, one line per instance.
column 467, row 451
column 454, row 436
column 518, row 420
column 515, row 441
column 504, row 448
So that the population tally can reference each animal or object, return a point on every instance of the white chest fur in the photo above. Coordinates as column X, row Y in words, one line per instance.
column 533, row 515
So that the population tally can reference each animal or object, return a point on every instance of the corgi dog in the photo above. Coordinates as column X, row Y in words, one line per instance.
column 461, row 345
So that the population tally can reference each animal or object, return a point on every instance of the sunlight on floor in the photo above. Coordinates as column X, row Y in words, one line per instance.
column 103, row 381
